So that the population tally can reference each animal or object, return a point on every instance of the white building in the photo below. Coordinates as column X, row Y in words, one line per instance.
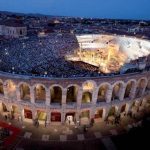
column 12, row 28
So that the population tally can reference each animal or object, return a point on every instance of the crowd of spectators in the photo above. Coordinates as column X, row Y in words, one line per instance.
column 40, row 56
column 43, row 56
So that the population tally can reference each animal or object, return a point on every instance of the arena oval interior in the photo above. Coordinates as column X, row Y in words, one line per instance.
column 69, row 78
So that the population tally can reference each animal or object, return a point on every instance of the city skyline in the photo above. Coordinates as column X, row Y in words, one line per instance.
column 86, row 8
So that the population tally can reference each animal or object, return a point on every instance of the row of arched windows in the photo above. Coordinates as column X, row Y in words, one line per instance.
column 72, row 91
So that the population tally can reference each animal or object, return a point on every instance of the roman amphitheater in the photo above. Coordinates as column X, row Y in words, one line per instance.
column 60, row 78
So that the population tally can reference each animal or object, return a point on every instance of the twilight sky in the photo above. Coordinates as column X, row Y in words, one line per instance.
column 126, row 9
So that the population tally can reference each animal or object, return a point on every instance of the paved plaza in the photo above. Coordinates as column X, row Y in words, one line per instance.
column 65, row 133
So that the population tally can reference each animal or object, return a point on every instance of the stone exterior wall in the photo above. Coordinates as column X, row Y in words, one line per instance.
column 11, row 31
column 77, row 107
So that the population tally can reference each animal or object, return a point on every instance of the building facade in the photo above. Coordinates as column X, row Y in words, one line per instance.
column 13, row 30
column 53, row 100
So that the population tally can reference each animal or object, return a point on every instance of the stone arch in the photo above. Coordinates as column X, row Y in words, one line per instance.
column 72, row 92
column 117, row 89
column 86, row 97
column 40, row 93
column 141, row 85
column 24, row 91
column 89, row 85
column 11, row 89
column 1, row 87
column 56, row 94
column 102, row 92
column 130, row 86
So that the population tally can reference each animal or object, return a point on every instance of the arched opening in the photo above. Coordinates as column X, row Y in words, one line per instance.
column 86, row 97
column 15, row 112
column 116, row 92
column 11, row 89
column 148, row 86
column 41, row 115
column 98, row 115
column 56, row 94
column 1, row 88
column 55, row 117
column 123, row 110
column 112, row 111
column 40, row 93
column 4, row 108
column 135, row 107
column 129, row 87
column 24, row 92
column 102, row 93
column 71, row 94
column 27, row 114
column 140, row 87
column 85, row 117
column 70, row 118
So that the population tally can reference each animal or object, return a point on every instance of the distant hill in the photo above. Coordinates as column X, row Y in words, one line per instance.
column 26, row 14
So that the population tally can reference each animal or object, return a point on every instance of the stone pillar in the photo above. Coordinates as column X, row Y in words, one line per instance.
column 18, row 93
column 48, row 114
column 9, row 107
column 94, row 100
column 63, row 108
column 121, row 93
column 34, row 113
column 79, row 98
column 119, row 108
column 48, row 97
column 109, row 95
column 107, row 109
column 94, row 96
column 143, row 91
column 130, row 106
column 133, row 92
column 21, row 112
column 5, row 90
column 77, row 116
column 127, row 108
column 64, row 93
column 104, row 114
column 62, row 117
column 32, row 95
